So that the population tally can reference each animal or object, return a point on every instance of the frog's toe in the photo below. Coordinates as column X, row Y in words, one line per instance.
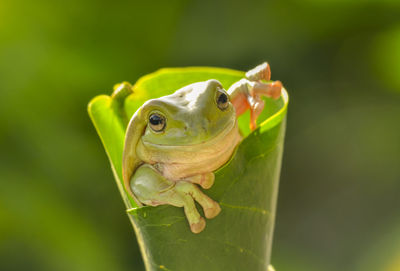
column 276, row 89
column 261, row 72
column 213, row 211
column 207, row 180
column 199, row 226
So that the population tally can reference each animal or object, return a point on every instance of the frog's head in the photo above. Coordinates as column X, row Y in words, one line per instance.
column 192, row 115
column 196, row 118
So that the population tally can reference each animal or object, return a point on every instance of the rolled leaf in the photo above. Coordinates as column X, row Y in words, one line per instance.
column 240, row 237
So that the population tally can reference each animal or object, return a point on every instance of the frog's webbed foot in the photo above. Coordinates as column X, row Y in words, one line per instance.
column 151, row 188
column 256, row 104
column 246, row 93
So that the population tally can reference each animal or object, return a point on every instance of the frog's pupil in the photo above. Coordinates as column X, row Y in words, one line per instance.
column 222, row 99
column 156, row 120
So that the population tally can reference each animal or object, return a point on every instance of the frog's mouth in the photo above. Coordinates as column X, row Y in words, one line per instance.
column 225, row 131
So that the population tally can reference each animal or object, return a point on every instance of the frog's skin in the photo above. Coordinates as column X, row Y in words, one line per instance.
column 174, row 143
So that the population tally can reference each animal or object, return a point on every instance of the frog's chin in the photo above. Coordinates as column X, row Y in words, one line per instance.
column 177, row 162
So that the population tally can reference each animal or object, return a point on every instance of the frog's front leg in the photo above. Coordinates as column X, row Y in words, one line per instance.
column 151, row 188
column 246, row 93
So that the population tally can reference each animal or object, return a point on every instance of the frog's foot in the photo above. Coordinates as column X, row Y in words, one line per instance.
column 272, row 90
column 180, row 197
column 213, row 211
column 199, row 226
column 246, row 95
column 256, row 104
column 211, row 208
column 196, row 222
column 204, row 180
column 207, row 180
column 261, row 72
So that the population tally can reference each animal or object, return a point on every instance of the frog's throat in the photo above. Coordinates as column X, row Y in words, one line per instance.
column 177, row 162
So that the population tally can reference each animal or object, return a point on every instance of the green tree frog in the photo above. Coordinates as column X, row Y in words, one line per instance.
column 174, row 143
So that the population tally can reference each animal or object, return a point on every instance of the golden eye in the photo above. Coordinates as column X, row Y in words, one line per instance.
column 157, row 122
column 222, row 100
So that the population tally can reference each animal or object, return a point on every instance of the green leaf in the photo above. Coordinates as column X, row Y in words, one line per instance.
column 240, row 237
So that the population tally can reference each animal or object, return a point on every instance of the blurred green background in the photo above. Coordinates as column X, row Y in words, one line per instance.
column 339, row 202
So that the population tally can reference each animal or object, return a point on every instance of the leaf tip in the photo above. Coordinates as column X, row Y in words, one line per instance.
column 92, row 105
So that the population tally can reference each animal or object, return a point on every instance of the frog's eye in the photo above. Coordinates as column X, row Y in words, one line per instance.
column 222, row 100
column 157, row 122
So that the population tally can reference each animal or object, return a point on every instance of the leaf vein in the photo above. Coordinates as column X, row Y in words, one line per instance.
column 249, row 208
column 165, row 224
